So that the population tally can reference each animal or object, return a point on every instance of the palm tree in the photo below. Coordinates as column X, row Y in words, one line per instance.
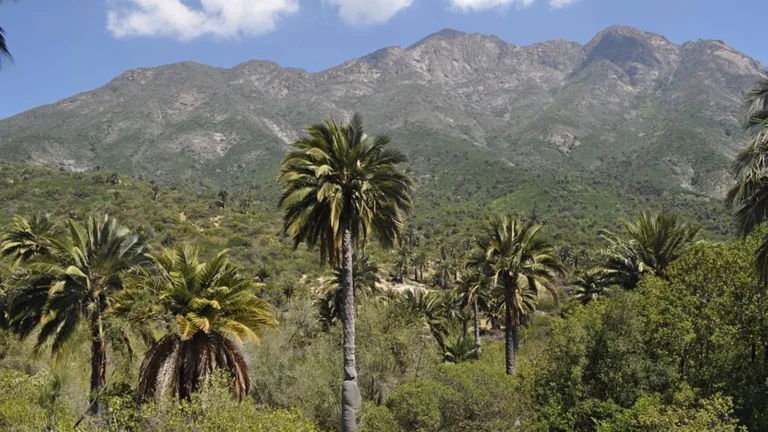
column 457, row 348
column 205, row 303
column 28, row 238
column 5, row 54
column 341, row 188
column 590, row 285
column 523, row 265
column 419, row 262
column 431, row 306
column 474, row 283
column 331, row 303
column 652, row 242
column 75, row 284
column 748, row 197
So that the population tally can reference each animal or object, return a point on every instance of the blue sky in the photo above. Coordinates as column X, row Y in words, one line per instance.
column 65, row 47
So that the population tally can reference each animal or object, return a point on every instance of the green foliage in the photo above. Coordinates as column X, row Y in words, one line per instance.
column 630, row 357
column 684, row 413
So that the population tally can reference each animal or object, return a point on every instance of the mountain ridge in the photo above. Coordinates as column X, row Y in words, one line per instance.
column 653, row 116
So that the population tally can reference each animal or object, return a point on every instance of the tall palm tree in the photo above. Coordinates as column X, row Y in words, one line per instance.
column 204, row 303
column 343, row 187
column 749, row 196
column 524, row 265
column 28, row 237
column 650, row 244
column 75, row 285
column 331, row 302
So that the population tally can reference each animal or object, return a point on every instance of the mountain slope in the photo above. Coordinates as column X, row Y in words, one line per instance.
column 481, row 119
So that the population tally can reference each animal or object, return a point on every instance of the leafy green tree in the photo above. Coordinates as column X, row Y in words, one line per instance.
column 748, row 196
column 208, row 302
column 650, row 244
column 28, row 238
column 341, row 188
column 523, row 262
column 75, row 284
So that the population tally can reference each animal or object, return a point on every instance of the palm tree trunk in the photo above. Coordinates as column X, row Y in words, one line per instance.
column 350, row 393
column 476, row 314
column 98, row 362
column 509, row 335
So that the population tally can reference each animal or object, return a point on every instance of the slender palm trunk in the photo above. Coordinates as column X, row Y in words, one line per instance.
column 509, row 334
column 350, row 393
column 476, row 314
column 98, row 362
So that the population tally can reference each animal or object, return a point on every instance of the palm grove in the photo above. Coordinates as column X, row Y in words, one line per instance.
column 695, row 308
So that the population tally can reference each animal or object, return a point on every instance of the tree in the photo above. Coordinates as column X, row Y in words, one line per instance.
column 5, row 53
column 590, row 285
column 341, row 188
column 28, row 238
column 523, row 265
column 331, row 302
column 652, row 242
column 75, row 283
column 749, row 196
column 207, row 302
column 474, row 283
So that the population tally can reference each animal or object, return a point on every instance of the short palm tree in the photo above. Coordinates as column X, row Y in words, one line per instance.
column 650, row 244
column 331, row 304
column 342, row 188
column 524, row 265
column 204, row 303
column 749, row 196
column 28, row 237
column 589, row 285
column 431, row 306
column 75, row 285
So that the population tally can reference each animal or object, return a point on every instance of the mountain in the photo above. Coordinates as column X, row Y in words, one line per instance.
column 628, row 114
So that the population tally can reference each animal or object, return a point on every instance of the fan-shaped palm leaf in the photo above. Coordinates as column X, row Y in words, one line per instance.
column 28, row 238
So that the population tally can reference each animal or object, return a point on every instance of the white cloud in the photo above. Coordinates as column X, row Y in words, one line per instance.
column 481, row 5
column 557, row 4
column 360, row 12
column 220, row 18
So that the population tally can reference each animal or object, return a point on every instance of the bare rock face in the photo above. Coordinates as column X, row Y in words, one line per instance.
column 452, row 96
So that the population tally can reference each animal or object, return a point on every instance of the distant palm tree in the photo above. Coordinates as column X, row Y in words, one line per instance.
column 431, row 306
column 457, row 348
column 331, row 302
column 473, row 284
column 28, row 238
column 75, row 284
column 343, row 187
column 524, row 264
column 650, row 244
column 590, row 285
column 207, row 302
column 749, row 196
